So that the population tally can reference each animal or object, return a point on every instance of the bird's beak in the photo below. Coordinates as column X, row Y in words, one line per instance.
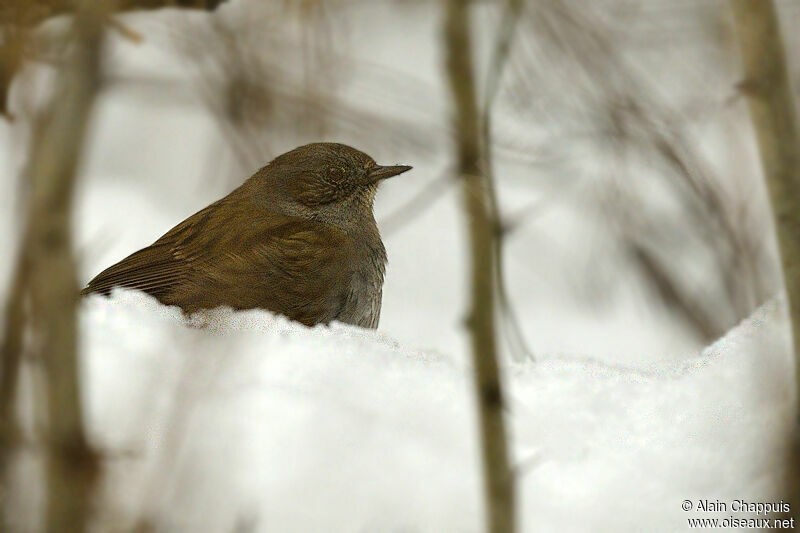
column 378, row 172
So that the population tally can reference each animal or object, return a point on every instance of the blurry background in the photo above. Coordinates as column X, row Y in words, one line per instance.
column 624, row 158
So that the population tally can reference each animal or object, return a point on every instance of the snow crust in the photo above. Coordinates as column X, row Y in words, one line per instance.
column 245, row 419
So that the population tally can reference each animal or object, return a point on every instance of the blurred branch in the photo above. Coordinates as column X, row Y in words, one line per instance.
column 35, row 11
column 10, row 358
column 634, row 115
column 508, row 24
column 772, row 110
column 655, row 270
column 48, row 276
column 498, row 478
column 276, row 75
column 18, row 18
column 418, row 203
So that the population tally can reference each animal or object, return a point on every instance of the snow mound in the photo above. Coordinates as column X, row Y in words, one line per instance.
column 247, row 420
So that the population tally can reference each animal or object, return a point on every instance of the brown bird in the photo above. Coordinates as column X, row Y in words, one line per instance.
column 298, row 238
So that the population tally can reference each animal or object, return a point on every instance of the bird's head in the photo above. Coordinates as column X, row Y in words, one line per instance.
column 327, row 180
column 319, row 176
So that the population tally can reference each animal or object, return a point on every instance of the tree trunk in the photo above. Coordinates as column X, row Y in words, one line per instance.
column 49, row 279
column 498, row 479
column 770, row 99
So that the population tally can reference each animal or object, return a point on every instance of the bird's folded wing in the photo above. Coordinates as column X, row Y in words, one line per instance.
column 154, row 270
column 160, row 267
column 292, row 266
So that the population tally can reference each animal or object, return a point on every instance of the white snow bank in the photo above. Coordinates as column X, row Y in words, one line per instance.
column 246, row 419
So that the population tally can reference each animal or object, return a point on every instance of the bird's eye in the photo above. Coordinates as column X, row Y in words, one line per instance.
column 336, row 172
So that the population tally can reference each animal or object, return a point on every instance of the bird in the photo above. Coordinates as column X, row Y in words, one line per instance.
column 297, row 238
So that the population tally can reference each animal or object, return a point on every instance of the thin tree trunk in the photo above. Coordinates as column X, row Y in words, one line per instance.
column 49, row 278
column 10, row 358
column 498, row 479
column 505, row 35
column 769, row 95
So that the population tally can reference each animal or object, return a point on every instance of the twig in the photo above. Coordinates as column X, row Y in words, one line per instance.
column 497, row 474
column 418, row 203
column 772, row 110
column 497, row 65
column 11, row 357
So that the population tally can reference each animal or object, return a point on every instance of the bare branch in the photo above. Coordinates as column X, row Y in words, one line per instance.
column 498, row 478
column 508, row 24
column 769, row 95
column 19, row 17
column 47, row 277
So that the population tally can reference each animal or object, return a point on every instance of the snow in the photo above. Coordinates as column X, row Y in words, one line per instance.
column 247, row 418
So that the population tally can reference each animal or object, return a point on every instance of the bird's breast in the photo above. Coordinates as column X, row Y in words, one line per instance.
column 363, row 303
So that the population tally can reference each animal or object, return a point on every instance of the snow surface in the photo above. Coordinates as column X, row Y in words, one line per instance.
column 247, row 419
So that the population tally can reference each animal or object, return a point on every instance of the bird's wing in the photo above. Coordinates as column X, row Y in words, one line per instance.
column 242, row 258
column 160, row 267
